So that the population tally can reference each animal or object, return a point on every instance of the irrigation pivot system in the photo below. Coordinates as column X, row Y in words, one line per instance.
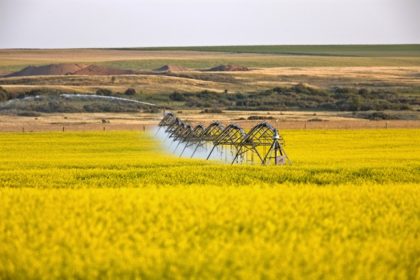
column 262, row 144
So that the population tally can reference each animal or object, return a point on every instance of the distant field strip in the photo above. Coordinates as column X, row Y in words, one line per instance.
column 327, row 50
column 270, row 61
column 249, row 61
column 114, row 205
column 205, row 57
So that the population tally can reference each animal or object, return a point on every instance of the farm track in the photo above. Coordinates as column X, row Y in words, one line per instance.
column 135, row 122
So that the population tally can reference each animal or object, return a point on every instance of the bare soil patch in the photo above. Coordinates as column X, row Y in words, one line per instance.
column 63, row 69
column 229, row 68
column 50, row 69
column 101, row 70
column 171, row 68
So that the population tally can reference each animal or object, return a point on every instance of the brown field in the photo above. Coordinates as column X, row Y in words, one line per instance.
column 17, row 57
column 195, row 81
column 267, row 71
column 143, row 121
column 390, row 73
column 24, row 57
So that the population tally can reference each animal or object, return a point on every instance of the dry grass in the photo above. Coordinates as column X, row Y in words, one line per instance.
column 268, row 70
column 403, row 75
column 259, row 79
column 141, row 121
column 140, row 59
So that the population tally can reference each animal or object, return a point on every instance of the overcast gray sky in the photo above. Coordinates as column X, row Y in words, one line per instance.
column 136, row 23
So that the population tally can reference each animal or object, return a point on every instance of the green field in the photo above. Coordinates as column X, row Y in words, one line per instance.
column 289, row 56
column 271, row 61
column 251, row 56
column 112, row 204
column 318, row 50
column 252, row 61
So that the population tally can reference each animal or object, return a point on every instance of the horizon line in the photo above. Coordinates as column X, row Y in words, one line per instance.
column 205, row 46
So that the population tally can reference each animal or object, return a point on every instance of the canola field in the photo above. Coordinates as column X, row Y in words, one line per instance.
column 114, row 205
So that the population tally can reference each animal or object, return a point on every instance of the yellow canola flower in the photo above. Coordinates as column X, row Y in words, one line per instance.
column 113, row 205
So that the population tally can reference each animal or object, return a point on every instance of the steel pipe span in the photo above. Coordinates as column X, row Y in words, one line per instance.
column 261, row 144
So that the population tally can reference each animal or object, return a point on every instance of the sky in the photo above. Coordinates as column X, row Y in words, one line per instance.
column 143, row 23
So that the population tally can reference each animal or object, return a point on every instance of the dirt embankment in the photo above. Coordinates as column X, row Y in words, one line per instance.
column 229, row 68
column 68, row 69
column 51, row 69
column 84, row 69
column 100, row 70
column 171, row 68
column 95, row 70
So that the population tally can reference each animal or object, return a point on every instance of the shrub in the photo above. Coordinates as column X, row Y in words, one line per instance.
column 254, row 118
column 104, row 91
column 301, row 88
column 4, row 95
column 130, row 91
column 21, row 95
column 212, row 111
column 379, row 116
column 176, row 96
column 35, row 92
column 153, row 110
column 315, row 120
column 279, row 90
column 363, row 92
column 91, row 108
column 28, row 114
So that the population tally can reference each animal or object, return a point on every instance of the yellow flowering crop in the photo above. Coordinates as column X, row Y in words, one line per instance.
column 113, row 205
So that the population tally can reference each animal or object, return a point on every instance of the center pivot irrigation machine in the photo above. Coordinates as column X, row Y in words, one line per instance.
column 262, row 144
